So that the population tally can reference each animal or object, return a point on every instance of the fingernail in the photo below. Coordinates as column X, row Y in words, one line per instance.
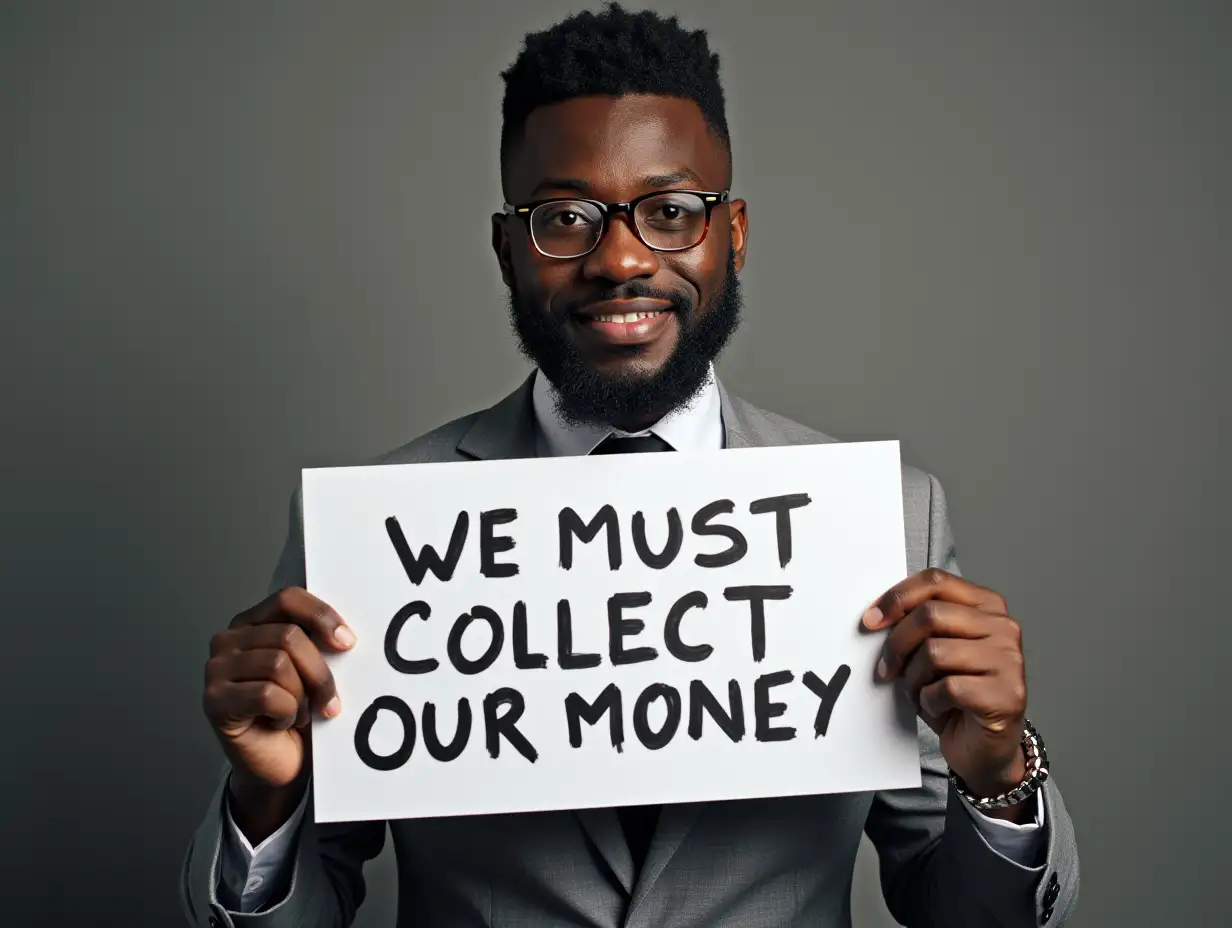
column 873, row 616
column 332, row 708
column 882, row 669
column 344, row 636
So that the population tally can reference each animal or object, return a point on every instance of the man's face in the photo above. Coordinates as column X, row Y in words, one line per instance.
column 614, row 149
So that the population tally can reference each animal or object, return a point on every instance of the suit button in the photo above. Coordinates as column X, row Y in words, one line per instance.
column 1051, row 896
column 1047, row 915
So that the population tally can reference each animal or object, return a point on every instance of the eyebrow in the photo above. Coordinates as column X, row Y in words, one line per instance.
column 654, row 181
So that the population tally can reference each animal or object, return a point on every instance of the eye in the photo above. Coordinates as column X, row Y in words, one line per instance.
column 565, row 216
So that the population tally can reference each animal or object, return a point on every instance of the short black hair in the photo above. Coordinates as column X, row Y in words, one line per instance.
column 612, row 53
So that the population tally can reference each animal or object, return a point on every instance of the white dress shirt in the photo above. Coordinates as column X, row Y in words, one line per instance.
column 255, row 877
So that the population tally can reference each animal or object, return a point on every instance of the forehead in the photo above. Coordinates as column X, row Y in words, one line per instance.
column 613, row 144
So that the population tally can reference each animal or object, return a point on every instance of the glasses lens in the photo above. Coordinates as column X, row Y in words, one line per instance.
column 566, row 228
column 672, row 220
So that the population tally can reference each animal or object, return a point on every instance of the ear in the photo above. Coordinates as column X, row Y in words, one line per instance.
column 500, row 245
column 739, row 230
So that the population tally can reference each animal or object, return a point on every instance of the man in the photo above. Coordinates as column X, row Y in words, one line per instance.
column 620, row 247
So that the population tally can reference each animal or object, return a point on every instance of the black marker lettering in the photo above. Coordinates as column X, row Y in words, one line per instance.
column 618, row 627
column 571, row 524
column 701, row 526
column 675, row 537
column 428, row 559
column 578, row 710
column 564, row 642
column 756, row 597
column 507, row 724
column 671, row 629
column 491, row 544
column 363, row 731
column 396, row 660
column 781, row 506
column 653, row 740
column 828, row 694
column 523, row 659
column 764, row 710
column 446, row 752
column 732, row 723
column 454, row 648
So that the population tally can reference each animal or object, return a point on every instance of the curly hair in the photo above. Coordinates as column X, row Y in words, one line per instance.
column 612, row 53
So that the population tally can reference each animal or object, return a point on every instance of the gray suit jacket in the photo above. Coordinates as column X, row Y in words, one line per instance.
column 750, row 863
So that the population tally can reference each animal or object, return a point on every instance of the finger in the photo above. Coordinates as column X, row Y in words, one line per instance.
column 314, row 673
column 982, row 695
column 933, row 583
column 932, row 619
column 298, row 606
column 938, row 657
column 270, row 664
column 231, row 703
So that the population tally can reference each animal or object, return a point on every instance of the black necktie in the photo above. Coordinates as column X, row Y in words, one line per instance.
column 615, row 444
column 638, row 822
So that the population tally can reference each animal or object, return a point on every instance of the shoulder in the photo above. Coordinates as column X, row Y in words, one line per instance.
column 438, row 445
column 923, row 498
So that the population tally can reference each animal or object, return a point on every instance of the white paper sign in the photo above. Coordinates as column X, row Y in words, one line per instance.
column 606, row 631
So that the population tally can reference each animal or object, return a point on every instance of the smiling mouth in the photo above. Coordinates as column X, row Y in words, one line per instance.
column 626, row 317
column 637, row 326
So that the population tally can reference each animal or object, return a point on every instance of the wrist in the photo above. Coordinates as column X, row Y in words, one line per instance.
column 258, row 808
column 999, row 783
column 988, row 793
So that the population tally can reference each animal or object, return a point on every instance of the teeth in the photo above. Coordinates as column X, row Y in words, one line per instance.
column 627, row 317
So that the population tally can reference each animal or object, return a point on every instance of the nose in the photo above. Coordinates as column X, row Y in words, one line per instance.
column 620, row 255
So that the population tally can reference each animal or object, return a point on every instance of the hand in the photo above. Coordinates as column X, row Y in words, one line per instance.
column 959, row 656
column 264, row 677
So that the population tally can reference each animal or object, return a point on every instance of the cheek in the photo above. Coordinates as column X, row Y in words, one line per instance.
column 537, row 278
column 702, row 271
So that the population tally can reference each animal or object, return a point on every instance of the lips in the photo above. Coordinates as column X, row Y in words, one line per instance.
column 626, row 322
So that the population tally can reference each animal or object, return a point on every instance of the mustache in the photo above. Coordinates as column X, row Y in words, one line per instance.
column 682, row 301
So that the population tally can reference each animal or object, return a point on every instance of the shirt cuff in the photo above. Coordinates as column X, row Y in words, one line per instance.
column 1019, row 843
column 250, row 876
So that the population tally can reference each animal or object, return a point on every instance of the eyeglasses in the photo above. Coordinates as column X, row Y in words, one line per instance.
column 670, row 220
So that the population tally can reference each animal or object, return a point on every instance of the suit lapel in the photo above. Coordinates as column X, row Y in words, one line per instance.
column 506, row 430
column 603, row 828
column 674, row 823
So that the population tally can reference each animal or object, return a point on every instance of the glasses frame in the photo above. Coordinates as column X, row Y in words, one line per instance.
column 710, row 199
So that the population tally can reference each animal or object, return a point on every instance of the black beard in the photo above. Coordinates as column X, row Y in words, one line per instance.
column 586, row 396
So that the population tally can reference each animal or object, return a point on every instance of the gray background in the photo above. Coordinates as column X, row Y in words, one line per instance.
column 238, row 239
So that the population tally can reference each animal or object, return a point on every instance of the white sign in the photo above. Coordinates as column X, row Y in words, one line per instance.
column 614, row 630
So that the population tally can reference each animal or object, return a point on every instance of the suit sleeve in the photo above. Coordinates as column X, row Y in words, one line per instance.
column 937, row 869
column 326, row 885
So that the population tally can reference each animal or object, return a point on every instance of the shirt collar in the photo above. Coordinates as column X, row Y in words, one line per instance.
column 697, row 426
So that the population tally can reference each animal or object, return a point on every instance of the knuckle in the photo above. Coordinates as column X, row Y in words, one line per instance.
column 935, row 650
column 1013, row 631
column 1018, row 692
column 290, row 637
column 998, row 603
column 287, row 598
column 280, row 663
column 953, row 687
column 933, row 576
column 267, row 695
column 892, row 601
column 215, row 669
column 220, row 642
column 930, row 615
